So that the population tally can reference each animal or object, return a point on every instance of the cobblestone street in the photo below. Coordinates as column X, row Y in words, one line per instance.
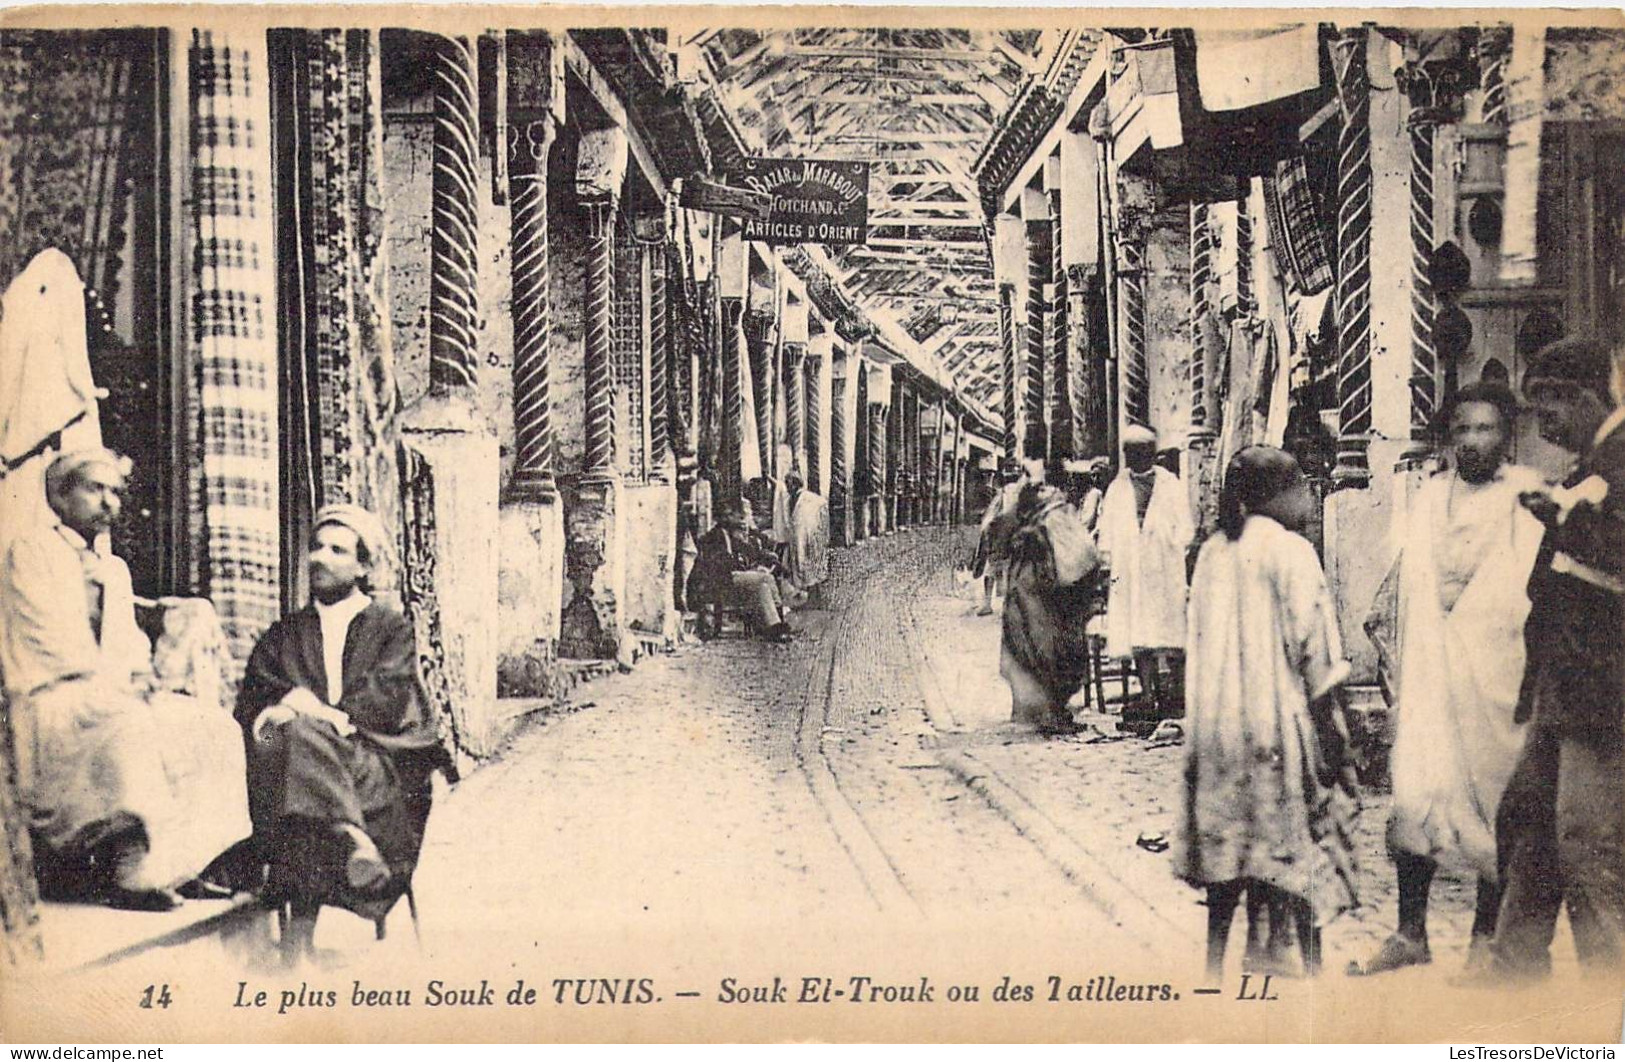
column 738, row 785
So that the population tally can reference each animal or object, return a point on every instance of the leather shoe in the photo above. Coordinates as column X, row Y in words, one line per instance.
column 364, row 867
column 155, row 900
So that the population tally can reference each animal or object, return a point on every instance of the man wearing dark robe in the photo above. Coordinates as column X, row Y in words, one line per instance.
column 736, row 566
column 340, row 739
column 1560, row 827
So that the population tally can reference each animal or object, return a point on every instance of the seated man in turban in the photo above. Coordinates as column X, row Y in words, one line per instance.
column 132, row 790
column 341, row 742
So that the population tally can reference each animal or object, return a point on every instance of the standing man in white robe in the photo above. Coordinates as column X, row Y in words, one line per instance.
column 1145, row 532
column 1462, row 600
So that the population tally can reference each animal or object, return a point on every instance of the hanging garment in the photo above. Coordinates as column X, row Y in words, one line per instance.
column 1461, row 609
column 47, row 395
column 1295, row 226
column 1236, row 69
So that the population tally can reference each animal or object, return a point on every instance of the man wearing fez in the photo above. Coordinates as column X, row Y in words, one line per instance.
column 132, row 787
column 341, row 742
column 1145, row 531
column 736, row 565
column 1560, row 828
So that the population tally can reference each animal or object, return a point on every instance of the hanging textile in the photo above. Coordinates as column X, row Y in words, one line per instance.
column 65, row 134
column 1236, row 69
column 419, row 544
column 1295, row 226
column 348, row 354
column 1525, row 106
column 47, row 396
column 231, row 339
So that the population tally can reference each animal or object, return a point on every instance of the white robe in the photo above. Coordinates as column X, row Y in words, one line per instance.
column 91, row 748
column 1145, row 607
column 808, row 554
column 1460, row 671
column 1259, row 800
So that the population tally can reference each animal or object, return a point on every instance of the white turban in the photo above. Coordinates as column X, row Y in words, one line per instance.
column 68, row 465
column 369, row 532
column 1135, row 435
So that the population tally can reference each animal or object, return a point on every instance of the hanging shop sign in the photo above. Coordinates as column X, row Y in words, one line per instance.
column 814, row 200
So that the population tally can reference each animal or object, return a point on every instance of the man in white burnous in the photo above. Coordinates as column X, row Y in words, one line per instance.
column 1450, row 623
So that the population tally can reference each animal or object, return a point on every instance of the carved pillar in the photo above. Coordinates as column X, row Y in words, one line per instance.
column 1008, row 245
column 599, row 209
column 731, row 365
column 1012, row 400
column 650, row 232
column 1354, row 179
column 453, row 273
column 1437, row 71
column 840, row 483
column 532, row 308
column 531, row 547
column 594, row 623
column 879, row 495
column 812, row 387
column 1040, row 380
column 1133, row 231
column 1494, row 53
column 760, row 333
column 445, row 427
column 1202, row 481
column 795, row 404
column 1086, row 362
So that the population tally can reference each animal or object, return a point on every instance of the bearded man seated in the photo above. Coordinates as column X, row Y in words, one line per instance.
column 132, row 789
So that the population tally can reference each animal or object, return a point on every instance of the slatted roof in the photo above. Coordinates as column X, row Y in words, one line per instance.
column 919, row 105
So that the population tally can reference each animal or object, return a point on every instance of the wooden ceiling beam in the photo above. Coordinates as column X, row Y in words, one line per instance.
column 974, row 56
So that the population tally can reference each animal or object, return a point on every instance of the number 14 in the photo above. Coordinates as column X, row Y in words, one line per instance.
column 155, row 994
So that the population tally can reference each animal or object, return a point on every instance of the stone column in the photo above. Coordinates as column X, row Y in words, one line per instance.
column 1203, row 482
column 1354, row 180
column 1040, row 288
column 594, row 622
column 840, row 481
column 532, row 520
column 1438, row 69
column 1086, row 361
column 820, row 411
column 760, row 334
column 795, row 403
column 1494, row 53
column 1008, row 241
column 1061, row 439
column 445, row 427
column 879, row 444
column 1135, row 217
column 650, row 232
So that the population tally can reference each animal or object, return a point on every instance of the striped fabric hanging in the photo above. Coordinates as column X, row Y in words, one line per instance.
column 231, row 338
